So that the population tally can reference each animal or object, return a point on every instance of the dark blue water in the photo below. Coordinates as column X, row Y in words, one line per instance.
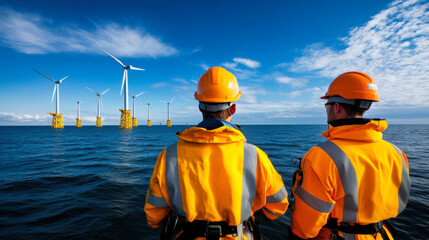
column 91, row 183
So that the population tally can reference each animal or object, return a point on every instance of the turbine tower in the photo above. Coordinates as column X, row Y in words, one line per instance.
column 125, row 122
column 134, row 109
column 168, row 111
column 149, row 122
column 78, row 120
column 98, row 122
column 57, row 120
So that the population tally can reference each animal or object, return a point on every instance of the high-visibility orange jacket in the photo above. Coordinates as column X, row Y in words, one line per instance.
column 214, row 175
column 355, row 177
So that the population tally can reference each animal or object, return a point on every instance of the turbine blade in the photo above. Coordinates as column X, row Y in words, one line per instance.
column 163, row 101
column 139, row 94
column 114, row 58
column 101, row 100
column 105, row 91
column 171, row 99
column 44, row 75
column 63, row 79
column 53, row 93
column 92, row 90
column 123, row 80
column 134, row 68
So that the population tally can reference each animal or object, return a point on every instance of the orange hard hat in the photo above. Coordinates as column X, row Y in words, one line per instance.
column 217, row 85
column 353, row 85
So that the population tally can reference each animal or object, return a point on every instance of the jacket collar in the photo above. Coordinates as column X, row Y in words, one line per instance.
column 367, row 130
column 211, row 124
column 212, row 131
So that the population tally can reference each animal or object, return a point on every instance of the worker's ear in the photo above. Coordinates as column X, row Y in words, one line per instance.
column 233, row 109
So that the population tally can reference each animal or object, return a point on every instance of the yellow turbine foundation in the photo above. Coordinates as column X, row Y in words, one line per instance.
column 168, row 123
column 98, row 123
column 125, row 119
column 78, row 122
column 57, row 120
column 149, row 123
column 134, row 122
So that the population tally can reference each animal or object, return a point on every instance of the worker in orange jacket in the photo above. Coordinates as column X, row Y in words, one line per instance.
column 348, row 186
column 210, row 183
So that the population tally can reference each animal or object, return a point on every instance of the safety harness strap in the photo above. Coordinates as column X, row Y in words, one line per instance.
column 210, row 230
column 370, row 229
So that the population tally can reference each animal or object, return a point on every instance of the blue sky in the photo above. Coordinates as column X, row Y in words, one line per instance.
column 283, row 53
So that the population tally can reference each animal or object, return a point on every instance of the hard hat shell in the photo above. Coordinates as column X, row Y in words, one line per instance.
column 353, row 85
column 217, row 85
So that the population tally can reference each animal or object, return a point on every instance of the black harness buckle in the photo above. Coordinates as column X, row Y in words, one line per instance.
column 213, row 231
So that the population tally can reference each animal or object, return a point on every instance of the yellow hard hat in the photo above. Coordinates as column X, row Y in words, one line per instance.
column 217, row 85
column 353, row 85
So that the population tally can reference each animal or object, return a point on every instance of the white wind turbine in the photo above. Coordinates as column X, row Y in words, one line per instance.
column 168, row 106
column 78, row 109
column 134, row 101
column 124, row 79
column 56, row 88
column 99, row 98
column 149, row 122
column 148, row 111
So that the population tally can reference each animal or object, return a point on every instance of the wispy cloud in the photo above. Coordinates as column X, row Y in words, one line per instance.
column 247, row 62
column 180, row 80
column 32, row 34
column 204, row 66
column 244, row 61
column 393, row 47
column 294, row 82
column 251, row 94
column 159, row 84
column 6, row 117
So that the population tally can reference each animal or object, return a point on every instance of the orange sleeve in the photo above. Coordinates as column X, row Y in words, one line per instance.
column 276, row 196
column 156, row 207
column 313, row 202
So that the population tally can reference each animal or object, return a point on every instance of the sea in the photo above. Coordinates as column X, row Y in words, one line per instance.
column 91, row 183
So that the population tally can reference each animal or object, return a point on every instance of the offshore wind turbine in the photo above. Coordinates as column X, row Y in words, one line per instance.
column 149, row 122
column 57, row 120
column 78, row 120
column 168, row 111
column 125, row 113
column 98, row 122
column 134, row 109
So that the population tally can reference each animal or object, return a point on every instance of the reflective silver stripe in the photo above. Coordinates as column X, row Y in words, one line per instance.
column 272, row 213
column 312, row 201
column 247, row 233
column 172, row 178
column 279, row 196
column 249, row 181
column 348, row 178
column 348, row 236
column 156, row 201
column 404, row 189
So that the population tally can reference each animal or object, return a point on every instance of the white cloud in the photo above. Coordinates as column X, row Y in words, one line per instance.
column 180, row 80
column 247, row 62
column 159, row 85
column 294, row 82
column 205, row 66
column 230, row 65
column 314, row 92
column 251, row 94
column 33, row 34
column 393, row 47
column 23, row 118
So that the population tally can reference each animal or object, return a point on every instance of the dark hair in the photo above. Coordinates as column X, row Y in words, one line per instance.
column 353, row 110
column 222, row 114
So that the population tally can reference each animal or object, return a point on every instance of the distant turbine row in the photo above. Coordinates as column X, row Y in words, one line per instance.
column 126, row 121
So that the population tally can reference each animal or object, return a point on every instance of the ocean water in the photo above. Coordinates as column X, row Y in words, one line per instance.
column 91, row 183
